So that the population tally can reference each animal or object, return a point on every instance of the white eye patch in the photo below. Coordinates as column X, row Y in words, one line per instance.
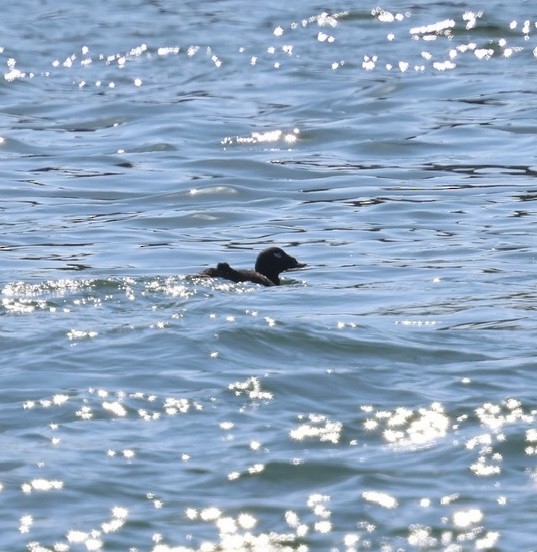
column 278, row 255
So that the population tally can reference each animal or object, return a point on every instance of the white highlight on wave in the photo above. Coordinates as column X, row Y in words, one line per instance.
column 267, row 137
column 42, row 485
column 317, row 426
column 411, row 428
column 381, row 499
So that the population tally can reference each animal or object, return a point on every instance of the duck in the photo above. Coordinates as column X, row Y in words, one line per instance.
column 269, row 265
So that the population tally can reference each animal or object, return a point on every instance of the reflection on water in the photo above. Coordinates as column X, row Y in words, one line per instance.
column 493, row 433
column 413, row 41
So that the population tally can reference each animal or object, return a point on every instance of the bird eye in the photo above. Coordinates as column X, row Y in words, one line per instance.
column 278, row 255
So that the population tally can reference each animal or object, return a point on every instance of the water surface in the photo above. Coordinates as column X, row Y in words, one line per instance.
column 380, row 399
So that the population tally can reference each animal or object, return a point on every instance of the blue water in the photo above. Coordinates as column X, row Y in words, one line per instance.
column 383, row 397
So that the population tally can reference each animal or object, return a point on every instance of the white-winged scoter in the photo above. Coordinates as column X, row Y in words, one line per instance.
column 268, row 266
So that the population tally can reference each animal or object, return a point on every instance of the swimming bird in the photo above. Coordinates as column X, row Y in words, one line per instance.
column 268, row 266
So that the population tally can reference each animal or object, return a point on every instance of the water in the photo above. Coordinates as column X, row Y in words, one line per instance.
column 382, row 398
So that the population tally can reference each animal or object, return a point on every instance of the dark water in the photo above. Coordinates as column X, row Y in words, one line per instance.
column 383, row 398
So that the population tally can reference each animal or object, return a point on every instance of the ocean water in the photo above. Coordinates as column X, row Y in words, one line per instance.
column 383, row 397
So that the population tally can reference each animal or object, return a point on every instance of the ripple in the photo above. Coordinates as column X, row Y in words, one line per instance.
column 378, row 399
